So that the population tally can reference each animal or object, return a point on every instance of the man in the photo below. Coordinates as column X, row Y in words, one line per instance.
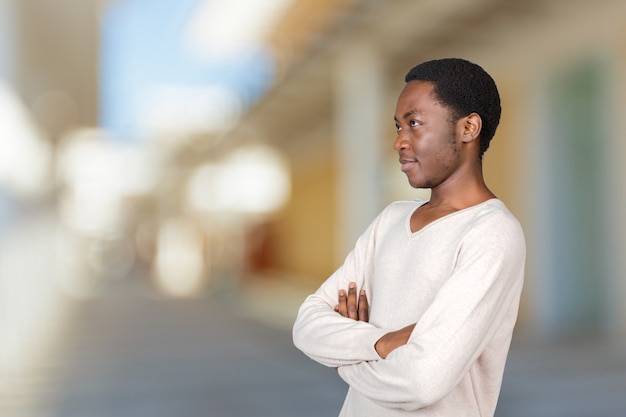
column 433, row 287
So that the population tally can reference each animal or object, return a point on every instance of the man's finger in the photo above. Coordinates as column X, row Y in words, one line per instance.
column 342, row 306
column 364, row 308
column 352, row 312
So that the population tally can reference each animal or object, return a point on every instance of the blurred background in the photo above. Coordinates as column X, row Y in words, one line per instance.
column 175, row 177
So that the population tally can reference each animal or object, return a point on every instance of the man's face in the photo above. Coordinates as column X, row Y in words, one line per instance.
column 427, row 142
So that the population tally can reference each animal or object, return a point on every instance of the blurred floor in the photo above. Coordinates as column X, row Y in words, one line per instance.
column 579, row 378
column 132, row 353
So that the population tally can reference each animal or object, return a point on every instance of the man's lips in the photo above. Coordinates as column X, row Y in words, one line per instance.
column 407, row 163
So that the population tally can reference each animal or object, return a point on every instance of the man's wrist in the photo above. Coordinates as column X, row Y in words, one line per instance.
column 380, row 347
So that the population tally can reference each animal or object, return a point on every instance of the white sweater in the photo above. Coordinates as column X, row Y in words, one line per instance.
column 459, row 278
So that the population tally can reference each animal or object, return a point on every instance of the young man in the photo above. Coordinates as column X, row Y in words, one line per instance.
column 433, row 287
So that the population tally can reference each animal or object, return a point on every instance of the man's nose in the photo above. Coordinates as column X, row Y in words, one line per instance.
column 401, row 142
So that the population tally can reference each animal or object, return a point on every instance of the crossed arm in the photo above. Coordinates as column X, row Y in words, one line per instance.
column 357, row 308
column 474, row 309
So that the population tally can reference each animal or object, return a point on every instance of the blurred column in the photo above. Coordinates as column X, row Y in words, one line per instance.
column 616, row 165
column 48, row 57
column 6, row 40
column 56, row 57
column 359, row 107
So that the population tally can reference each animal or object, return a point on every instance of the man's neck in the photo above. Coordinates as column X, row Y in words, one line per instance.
column 465, row 191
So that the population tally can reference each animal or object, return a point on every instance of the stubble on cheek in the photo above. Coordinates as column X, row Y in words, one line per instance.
column 453, row 148
column 453, row 142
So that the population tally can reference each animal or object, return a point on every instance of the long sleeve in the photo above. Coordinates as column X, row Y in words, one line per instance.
column 458, row 279
column 326, row 336
column 473, row 313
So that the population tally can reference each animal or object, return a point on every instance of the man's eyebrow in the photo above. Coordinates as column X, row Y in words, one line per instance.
column 411, row 113
column 408, row 114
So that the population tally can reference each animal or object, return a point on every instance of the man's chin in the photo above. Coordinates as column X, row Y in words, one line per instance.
column 420, row 185
column 416, row 183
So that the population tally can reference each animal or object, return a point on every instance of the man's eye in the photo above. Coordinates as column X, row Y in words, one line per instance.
column 398, row 128
column 413, row 123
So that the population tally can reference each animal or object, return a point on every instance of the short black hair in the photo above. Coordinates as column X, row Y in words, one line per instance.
column 463, row 87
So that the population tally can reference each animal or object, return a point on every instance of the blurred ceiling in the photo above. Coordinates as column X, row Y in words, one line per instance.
column 57, row 50
column 312, row 35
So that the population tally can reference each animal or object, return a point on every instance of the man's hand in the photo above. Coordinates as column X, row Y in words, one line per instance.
column 350, row 307
column 358, row 309
column 392, row 340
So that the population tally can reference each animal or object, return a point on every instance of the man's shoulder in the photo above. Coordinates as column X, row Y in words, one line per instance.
column 494, row 218
column 497, row 211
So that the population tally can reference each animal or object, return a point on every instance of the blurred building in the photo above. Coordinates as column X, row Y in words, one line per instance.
column 557, row 159
column 276, row 171
column 48, row 86
column 53, row 50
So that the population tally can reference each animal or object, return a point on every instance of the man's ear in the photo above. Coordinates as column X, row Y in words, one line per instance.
column 472, row 125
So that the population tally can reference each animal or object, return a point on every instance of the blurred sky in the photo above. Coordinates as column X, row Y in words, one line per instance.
column 149, row 68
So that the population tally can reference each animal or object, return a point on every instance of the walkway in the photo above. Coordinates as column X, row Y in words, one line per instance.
column 132, row 353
